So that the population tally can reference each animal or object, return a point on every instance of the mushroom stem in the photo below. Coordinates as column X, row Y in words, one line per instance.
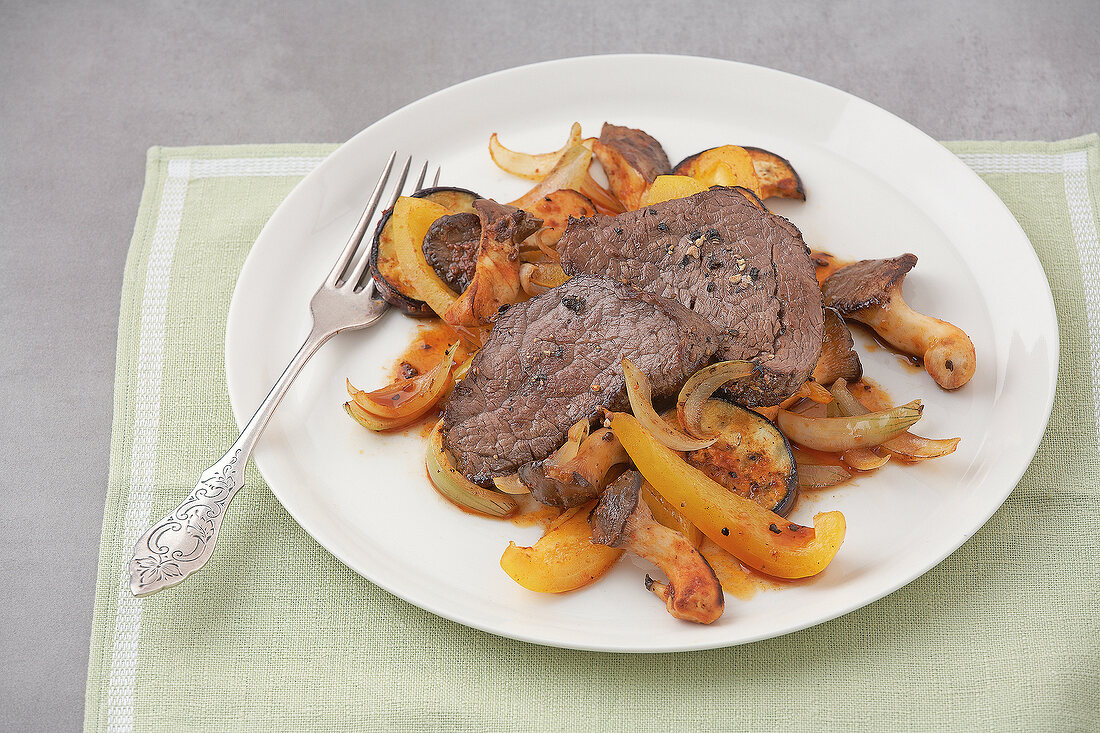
column 947, row 351
column 692, row 592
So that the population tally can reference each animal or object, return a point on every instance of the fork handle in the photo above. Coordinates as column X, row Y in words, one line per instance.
column 182, row 542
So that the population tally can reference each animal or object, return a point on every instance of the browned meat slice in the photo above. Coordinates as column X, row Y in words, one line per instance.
column 450, row 247
column 556, row 359
column 742, row 268
column 631, row 159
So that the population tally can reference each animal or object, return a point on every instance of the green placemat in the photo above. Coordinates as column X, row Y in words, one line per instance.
column 275, row 634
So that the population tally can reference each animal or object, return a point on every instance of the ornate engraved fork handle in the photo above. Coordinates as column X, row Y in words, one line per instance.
column 183, row 541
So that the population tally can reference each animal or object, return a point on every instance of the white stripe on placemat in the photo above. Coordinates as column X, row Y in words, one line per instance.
column 1088, row 250
column 237, row 167
column 147, row 380
column 1074, row 170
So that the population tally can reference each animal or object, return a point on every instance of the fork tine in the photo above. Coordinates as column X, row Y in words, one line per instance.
column 401, row 182
column 364, row 261
column 435, row 181
column 420, row 181
column 364, row 221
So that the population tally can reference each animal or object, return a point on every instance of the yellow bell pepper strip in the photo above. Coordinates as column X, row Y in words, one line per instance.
column 759, row 538
column 666, row 188
column 411, row 219
column 563, row 559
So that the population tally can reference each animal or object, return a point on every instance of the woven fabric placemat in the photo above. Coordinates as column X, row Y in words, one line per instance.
column 276, row 634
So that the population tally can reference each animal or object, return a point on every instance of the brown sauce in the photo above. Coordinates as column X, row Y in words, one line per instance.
column 826, row 264
column 432, row 338
column 739, row 581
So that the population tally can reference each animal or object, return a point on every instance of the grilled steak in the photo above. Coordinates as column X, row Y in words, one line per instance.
column 556, row 359
column 739, row 267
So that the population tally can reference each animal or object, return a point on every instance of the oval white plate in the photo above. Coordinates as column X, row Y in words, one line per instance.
column 876, row 187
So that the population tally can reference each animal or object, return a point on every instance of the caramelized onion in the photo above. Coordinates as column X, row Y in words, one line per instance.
column 700, row 387
column 640, row 393
column 907, row 446
column 568, row 451
column 455, row 487
column 460, row 371
column 838, row 434
column 910, row 447
column 812, row 476
column 571, row 171
column 864, row 459
column 511, row 484
column 533, row 167
column 537, row 278
column 373, row 422
column 408, row 398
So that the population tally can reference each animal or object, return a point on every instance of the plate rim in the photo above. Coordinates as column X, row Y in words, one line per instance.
column 242, row 414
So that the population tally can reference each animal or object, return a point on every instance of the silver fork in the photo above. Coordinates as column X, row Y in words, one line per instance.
column 182, row 542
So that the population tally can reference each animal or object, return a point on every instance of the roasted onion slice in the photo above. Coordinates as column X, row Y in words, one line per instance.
column 701, row 387
column 533, row 167
column 455, row 487
column 511, row 484
column 407, row 398
column 813, row 476
column 537, row 278
column 906, row 446
column 838, row 434
column 571, row 172
column 640, row 393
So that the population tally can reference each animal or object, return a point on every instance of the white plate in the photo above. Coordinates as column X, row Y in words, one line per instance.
column 876, row 187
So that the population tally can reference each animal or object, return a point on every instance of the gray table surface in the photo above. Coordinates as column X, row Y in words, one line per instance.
column 86, row 89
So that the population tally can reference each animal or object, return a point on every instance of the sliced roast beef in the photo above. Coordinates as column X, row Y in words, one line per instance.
column 740, row 267
column 556, row 359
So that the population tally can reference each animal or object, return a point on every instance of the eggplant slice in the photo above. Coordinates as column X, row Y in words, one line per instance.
column 751, row 458
column 778, row 178
column 390, row 282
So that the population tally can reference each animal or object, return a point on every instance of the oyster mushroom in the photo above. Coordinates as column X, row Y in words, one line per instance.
column 838, row 359
column 693, row 592
column 569, row 482
column 495, row 279
column 869, row 291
